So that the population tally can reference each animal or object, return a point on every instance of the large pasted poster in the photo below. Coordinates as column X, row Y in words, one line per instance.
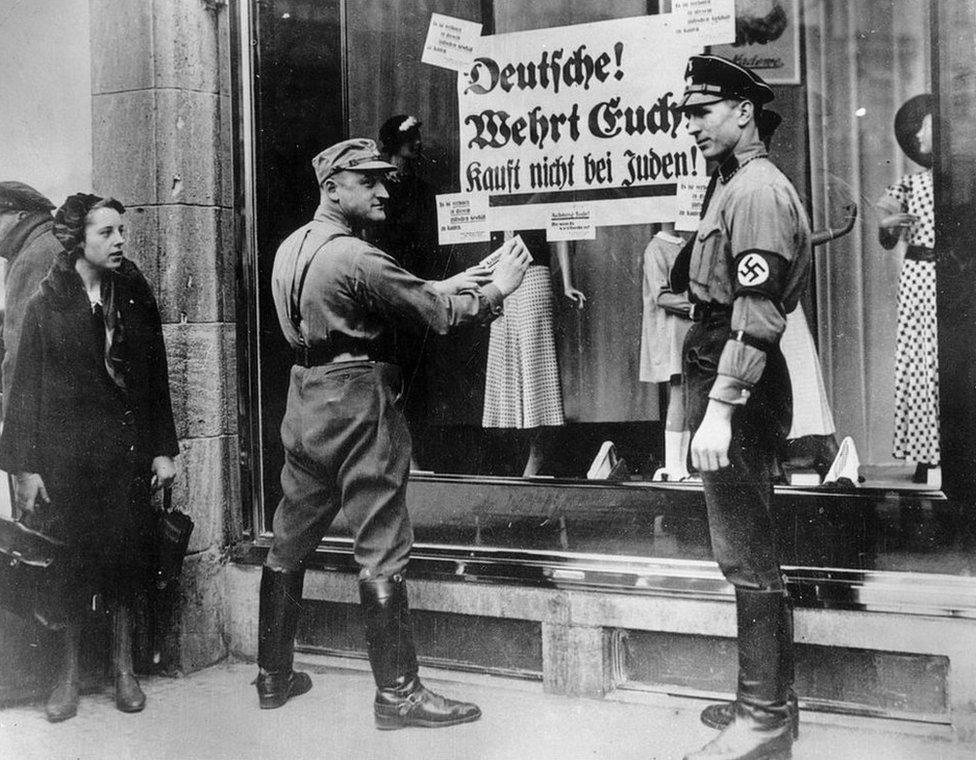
column 556, row 119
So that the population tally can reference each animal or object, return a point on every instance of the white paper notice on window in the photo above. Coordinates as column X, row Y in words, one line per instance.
column 462, row 218
column 712, row 22
column 570, row 223
column 691, row 194
column 450, row 42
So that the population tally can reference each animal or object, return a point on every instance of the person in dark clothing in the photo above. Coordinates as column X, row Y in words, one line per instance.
column 89, row 431
column 347, row 446
column 29, row 247
column 746, row 269
column 409, row 235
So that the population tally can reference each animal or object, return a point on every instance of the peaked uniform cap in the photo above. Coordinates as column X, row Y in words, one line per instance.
column 711, row 78
column 359, row 154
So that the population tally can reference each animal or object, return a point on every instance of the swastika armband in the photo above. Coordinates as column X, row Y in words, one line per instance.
column 759, row 273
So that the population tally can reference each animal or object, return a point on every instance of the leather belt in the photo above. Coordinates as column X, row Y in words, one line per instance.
column 706, row 310
column 317, row 356
column 918, row 253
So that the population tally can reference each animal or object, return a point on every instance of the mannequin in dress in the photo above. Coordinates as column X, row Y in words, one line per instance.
column 522, row 387
column 908, row 218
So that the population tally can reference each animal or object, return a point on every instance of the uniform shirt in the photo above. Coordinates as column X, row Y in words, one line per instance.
column 353, row 291
column 754, row 207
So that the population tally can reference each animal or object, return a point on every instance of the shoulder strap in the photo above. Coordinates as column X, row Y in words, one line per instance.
column 296, row 295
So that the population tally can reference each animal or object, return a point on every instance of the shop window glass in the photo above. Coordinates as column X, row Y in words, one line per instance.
column 840, row 72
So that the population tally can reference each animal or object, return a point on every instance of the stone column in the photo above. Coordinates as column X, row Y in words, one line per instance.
column 161, row 144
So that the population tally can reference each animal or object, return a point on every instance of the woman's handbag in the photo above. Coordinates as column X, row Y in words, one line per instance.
column 29, row 569
column 173, row 529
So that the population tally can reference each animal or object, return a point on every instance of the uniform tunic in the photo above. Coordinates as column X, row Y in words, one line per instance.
column 347, row 445
column 916, row 435
column 749, row 264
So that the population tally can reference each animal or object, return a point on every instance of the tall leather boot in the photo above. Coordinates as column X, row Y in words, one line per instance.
column 401, row 699
column 128, row 694
column 280, row 605
column 63, row 702
column 720, row 715
column 761, row 727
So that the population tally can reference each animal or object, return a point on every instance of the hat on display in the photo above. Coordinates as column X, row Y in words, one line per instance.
column 908, row 121
column 711, row 78
column 358, row 155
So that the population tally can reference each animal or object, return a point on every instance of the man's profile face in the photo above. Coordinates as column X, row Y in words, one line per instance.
column 716, row 127
column 361, row 195
column 8, row 220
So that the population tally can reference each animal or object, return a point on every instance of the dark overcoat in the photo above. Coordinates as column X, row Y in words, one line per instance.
column 91, row 441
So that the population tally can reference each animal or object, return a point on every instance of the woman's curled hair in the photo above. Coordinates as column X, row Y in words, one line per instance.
column 70, row 219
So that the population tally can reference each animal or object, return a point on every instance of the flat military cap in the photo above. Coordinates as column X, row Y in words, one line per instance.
column 711, row 78
column 358, row 155
column 16, row 196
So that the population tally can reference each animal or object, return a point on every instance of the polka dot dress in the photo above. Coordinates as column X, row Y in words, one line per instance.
column 917, row 348
column 522, row 383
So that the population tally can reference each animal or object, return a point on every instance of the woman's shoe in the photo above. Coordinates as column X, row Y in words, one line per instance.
column 129, row 696
column 63, row 702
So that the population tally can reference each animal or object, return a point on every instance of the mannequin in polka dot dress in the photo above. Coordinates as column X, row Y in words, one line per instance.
column 907, row 211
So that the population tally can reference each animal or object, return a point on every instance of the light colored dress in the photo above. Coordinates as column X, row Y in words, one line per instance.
column 811, row 409
column 522, row 378
column 662, row 333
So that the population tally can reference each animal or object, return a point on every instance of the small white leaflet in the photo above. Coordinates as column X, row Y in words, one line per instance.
column 462, row 218
column 570, row 223
column 711, row 22
column 450, row 42
column 688, row 203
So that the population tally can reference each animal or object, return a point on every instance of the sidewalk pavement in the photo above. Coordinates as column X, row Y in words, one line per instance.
column 213, row 715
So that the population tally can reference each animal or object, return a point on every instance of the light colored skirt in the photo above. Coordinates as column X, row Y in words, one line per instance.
column 522, row 380
column 811, row 410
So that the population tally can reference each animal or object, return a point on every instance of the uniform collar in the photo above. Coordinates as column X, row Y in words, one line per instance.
column 333, row 216
column 742, row 155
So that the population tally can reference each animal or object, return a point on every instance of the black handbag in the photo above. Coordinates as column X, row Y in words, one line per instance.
column 173, row 530
column 30, row 572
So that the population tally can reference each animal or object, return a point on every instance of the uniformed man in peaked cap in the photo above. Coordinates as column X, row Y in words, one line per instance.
column 745, row 270
column 347, row 446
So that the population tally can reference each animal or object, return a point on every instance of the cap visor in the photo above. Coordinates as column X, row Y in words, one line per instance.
column 693, row 99
column 371, row 166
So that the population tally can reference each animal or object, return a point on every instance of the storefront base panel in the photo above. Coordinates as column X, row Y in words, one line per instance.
column 443, row 639
column 919, row 668
column 832, row 679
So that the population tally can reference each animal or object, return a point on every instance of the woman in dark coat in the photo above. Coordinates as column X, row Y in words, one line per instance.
column 89, row 430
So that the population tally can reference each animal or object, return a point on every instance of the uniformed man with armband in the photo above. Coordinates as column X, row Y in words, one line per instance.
column 746, row 269
column 347, row 445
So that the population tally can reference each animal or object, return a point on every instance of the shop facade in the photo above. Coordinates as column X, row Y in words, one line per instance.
column 205, row 118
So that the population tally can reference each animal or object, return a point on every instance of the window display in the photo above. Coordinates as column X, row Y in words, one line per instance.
column 562, row 120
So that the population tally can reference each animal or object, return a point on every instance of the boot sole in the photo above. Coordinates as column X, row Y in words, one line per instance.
column 392, row 723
